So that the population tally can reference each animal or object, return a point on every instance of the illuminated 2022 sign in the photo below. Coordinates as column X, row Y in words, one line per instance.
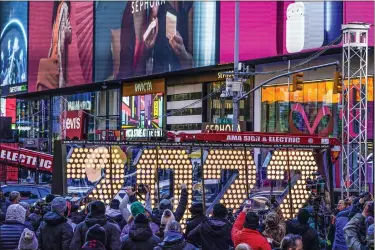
column 104, row 166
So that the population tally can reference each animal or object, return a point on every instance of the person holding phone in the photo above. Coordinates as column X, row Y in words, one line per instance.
column 245, row 230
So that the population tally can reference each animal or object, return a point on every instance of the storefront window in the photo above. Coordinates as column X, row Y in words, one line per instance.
column 313, row 110
column 223, row 108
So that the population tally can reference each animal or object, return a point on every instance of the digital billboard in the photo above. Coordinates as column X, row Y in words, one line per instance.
column 13, row 47
column 136, row 38
column 275, row 28
column 61, row 44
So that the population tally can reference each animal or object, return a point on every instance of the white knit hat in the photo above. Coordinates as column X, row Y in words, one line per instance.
column 28, row 240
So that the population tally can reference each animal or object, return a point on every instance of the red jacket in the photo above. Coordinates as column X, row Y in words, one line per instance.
column 251, row 237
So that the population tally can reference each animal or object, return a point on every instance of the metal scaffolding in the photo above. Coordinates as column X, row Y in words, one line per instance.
column 354, row 106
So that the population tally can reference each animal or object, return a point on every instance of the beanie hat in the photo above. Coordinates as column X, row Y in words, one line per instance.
column 115, row 204
column 28, row 240
column 165, row 204
column 167, row 217
column 303, row 216
column 96, row 232
column 16, row 212
column 251, row 221
column 58, row 205
column 196, row 208
column 219, row 211
column 97, row 208
column 14, row 195
column 25, row 205
column 137, row 208
column 141, row 219
column 49, row 198
column 370, row 237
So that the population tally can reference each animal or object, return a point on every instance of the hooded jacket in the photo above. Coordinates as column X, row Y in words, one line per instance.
column 10, row 234
column 309, row 235
column 115, row 215
column 355, row 232
column 212, row 233
column 54, row 232
column 93, row 245
column 140, row 236
column 112, row 232
column 174, row 241
column 125, row 231
column 340, row 222
column 249, row 236
column 193, row 222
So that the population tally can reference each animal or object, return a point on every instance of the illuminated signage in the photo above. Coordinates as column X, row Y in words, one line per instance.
column 223, row 127
column 144, row 5
column 143, row 133
column 153, row 86
column 79, row 105
column 143, row 86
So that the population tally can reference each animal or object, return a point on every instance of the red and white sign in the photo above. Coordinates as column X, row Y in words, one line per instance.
column 72, row 125
column 26, row 158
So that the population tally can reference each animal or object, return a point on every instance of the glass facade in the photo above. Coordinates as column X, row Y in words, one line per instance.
column 313, row 110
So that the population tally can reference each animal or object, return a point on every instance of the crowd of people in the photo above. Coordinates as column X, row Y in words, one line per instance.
column 56, row 224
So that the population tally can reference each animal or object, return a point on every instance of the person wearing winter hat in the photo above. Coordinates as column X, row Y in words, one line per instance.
column 245, row 231
column 140, row 235
column 174, row 238
column 214, row 232
column 97, row 215
column 370, row 237
column 167, row 217
column 167, row 204
column 11, row 230
column 54, row 231
column 137, row 208
column 275, row 229
column 301, row 227
column 114, row 214
column 197, row 217
column 28, row 240
column 243, row 246
column 95, row 238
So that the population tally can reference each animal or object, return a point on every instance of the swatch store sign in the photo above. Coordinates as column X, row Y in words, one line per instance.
column 72, row 125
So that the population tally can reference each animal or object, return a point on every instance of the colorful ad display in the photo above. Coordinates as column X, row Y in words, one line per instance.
column 136, row 38
column 13, row 47
column 61, row 44
column 288, row 27
column 143, row 111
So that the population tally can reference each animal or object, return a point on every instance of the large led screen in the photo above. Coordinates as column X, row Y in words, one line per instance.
column 134, row 38
column 61, row 44
column 274, row 28
column 13, row 46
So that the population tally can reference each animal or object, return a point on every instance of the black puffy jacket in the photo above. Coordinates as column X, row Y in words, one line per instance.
column 112, row 232
column 309, row 235
column 193, row 222
column 54, row 232
column 140, row 237
column 10, row 234
column 212, row 233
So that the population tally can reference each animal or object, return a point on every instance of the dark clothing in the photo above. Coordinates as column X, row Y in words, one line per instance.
column 112, row 232
column 309, row 235
column 355, row 232
column 77, row 217
column 35, row 220
column 140, row 237
column 341, row 221
column 193, row 222
column 212, row 233
column 118, row 219
column 356, row 208
column 10, row 234
column 3, row 205
column 175, row 241
column 178, row 214
column 54, row 233
column 93, row 245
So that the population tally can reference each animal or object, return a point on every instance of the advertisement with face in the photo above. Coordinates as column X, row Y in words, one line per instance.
column 135, row 38
column 13, row 47
column 61, row 44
